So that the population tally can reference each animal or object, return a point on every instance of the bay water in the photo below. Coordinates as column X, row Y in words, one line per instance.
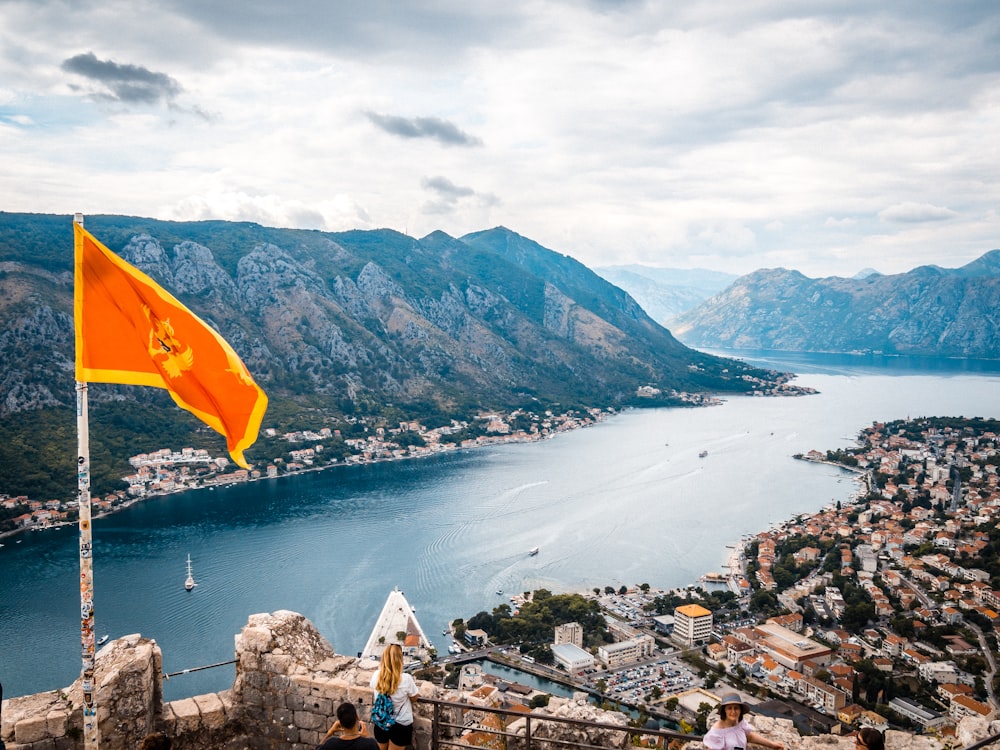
column 624, row 502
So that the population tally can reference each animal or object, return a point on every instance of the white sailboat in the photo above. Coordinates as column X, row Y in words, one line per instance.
column 189, row 581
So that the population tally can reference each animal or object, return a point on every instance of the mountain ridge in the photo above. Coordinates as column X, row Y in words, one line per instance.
column 333, row 326
column 927, row 311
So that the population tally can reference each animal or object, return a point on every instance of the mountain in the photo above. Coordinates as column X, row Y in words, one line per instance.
column 928, row 311
column 349, row 324
column 665, row 293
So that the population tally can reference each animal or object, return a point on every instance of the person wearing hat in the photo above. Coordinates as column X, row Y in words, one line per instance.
column 732, row 731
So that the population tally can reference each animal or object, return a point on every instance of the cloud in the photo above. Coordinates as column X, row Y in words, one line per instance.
column 915, row 213
column 424, row 127
column 125, row 83
column 448, row 195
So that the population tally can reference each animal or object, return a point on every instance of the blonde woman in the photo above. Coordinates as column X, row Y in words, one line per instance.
column 391, row 680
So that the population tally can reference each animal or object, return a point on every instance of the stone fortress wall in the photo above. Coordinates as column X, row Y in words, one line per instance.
column 288, row 683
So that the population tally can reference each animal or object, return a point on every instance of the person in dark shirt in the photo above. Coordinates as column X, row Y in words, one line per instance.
column 347, row 732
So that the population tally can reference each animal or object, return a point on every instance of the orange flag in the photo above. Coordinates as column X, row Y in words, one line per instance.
column 131, row 330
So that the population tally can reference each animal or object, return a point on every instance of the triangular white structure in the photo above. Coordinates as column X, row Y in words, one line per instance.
column 397, row 619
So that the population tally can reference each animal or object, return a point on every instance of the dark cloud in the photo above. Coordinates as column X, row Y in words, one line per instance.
column 915, row 213
column 446, row 188
column 447, row 195
column 424, row 127
column 129, row 84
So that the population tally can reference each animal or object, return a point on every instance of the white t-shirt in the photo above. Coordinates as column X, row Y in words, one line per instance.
column 401, row 698
column 728, row 738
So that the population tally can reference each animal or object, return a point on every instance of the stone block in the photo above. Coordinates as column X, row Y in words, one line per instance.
column 213, row 713
column 308, row 720
column 283, row 716
column 253, row 639
column 56, row 722
column 188, row 715
column 31, row 729
column 276, row 664
column 321, row 706
column 256, row 680
column 312, row 739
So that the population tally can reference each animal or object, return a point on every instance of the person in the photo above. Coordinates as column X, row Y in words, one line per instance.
column 870, row 739
column 391, row 680
column 732, row 731
column 348, row 732
column 155, row 741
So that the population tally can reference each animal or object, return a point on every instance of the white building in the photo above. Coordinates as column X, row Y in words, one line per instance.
column 572, row 658
column 692, row 623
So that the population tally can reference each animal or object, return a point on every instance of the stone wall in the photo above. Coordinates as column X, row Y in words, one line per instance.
column 288, row 684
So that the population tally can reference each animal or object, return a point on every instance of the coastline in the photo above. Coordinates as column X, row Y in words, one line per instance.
column 596, row 417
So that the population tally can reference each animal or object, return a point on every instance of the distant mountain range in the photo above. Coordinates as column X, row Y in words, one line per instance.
column 665, row 293
column 360, row 322
column 930, row 311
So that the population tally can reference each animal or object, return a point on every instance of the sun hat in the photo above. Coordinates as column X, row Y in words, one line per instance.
column 731, row 699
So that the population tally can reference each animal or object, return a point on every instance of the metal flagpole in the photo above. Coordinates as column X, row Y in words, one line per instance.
column 91, row 735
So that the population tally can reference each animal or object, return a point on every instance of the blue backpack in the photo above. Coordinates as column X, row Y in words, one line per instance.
column 383, row 711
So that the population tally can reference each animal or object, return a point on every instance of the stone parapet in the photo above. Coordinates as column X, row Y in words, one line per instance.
column 288, row 683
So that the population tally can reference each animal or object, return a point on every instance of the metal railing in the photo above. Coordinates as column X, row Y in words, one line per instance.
column 511, row 729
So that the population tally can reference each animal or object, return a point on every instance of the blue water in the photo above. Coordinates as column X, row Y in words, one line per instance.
column 625, row 502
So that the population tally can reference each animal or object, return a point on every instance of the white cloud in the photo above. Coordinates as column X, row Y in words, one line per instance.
column 748, row 137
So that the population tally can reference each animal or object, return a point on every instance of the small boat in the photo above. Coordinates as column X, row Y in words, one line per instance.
column 499, row 592
column 189, row 581
column 702, row 454
column 533, row 551
column 102, row 640
column 454, row 648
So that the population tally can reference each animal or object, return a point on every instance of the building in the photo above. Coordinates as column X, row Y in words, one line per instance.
column 626, row 652
column 572, row 658
column 791, row 649
column 963, row 705
column 917, row 713
column 570, row 632
column 692, row 624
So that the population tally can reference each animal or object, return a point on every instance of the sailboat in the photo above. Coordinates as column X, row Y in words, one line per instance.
column 189, row 581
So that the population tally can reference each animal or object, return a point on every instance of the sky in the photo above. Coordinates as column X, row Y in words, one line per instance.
column 825, row 136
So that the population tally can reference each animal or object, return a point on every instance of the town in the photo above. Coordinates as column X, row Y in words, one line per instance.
column 879, row 613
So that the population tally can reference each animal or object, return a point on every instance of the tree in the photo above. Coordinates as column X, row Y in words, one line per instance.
column 623, row 590
column 609, row 589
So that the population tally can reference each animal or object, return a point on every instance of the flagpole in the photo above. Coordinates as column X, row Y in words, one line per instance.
column 91, row 735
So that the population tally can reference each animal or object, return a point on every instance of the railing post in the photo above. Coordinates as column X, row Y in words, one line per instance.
column 435, row 726
column 527, row 732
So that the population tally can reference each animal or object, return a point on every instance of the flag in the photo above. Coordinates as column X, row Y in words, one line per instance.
column 130, row 330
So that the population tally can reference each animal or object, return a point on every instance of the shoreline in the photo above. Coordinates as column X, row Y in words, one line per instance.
column 596, row 419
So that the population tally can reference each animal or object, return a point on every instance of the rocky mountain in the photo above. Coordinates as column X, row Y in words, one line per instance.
column 665, row 293
column 360, row 322
column 929, row 311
